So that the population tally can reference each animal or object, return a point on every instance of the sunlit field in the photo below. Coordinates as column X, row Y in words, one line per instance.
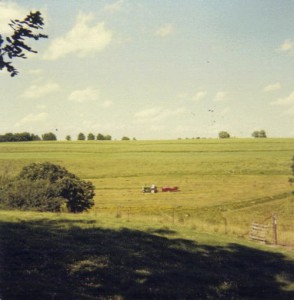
column 190, row 244
column 224, row 185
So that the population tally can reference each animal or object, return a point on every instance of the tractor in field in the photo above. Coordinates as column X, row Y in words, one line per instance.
column 149, row 189
column 153, row 189
column 170, row 189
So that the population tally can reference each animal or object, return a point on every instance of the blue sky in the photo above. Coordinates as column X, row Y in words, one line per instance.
column 154, row 69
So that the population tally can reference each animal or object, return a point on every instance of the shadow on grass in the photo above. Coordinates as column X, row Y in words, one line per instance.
column 43, row 260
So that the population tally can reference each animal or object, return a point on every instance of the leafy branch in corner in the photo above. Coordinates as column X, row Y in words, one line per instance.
column 15, row 46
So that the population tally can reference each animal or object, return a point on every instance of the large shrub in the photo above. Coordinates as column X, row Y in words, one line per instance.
column 31, row 195
column 47, row 187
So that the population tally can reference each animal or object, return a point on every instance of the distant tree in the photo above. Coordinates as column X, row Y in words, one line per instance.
column 259, row 134
column 50, row 136
column 262, row 134
column 107, row 137
column 14, row 46
column 223, row 135
column 68, row 138
column 91, row 137
column 35, row 137
column 47, row 187
column 81, row 137
column 125, row 138
column 100, row 137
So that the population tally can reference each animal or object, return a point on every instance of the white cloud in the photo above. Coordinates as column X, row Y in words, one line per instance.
column 290, row 111
column 272, row 87
column 41, row 106
column 287, row 101
column 10, row 11
column 220, row 96
column 83, row 39
column 225, row 111
column 157, row 114
column 199, row 95
column 114, row 7
column 37, row 91
column 107, row 103
column 35, row 71
column 147, row 113
column 32, row 118
column 165, row 30
column 288, row 45
column 86, row 95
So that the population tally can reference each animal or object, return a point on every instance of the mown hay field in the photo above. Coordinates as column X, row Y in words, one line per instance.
column 225, row 185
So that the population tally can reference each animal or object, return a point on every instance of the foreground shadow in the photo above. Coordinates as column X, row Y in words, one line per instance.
column 43, row 260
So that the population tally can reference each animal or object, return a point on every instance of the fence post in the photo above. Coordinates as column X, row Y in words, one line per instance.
column 173, row 215
column 275, row 236
column 118, row 212
column 226, row 225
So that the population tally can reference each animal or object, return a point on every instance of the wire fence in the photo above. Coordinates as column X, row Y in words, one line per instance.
column 272, row 230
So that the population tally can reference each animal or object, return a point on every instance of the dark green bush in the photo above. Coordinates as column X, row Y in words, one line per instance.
column 31, row 195
column 47, row 187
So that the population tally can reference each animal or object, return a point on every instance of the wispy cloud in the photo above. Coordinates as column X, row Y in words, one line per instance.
column 10, row 11
column 287, row 46
column 289, row 111
column 114, row 7
column 272, row 87
column 220, row 96
column 165, row 31
column 157, row 114
column 85, row 95
column 107, row 103
column 35, row 71
column 82, row 40
column 287, row 101
column 225, row 111
column 38, row 91
column 199, row 95
column 32, row 118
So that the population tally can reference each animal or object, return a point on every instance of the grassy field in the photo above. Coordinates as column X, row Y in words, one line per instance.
column 225, row 185
column 192, row 244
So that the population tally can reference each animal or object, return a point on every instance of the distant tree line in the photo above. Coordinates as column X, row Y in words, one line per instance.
column 50, row 136
column 92, row 137
column 26, row 137
column 19, row 137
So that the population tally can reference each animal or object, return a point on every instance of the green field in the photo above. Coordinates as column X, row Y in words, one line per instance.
column 232, row 182
column 225, row 185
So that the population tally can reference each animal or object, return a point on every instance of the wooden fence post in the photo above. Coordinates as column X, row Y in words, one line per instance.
column 275, row 236
column 173, row 215
column 226, row 225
